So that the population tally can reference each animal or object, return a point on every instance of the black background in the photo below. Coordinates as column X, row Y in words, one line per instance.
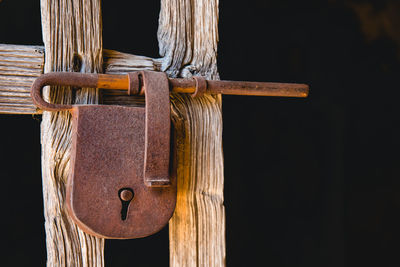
column 308, row 182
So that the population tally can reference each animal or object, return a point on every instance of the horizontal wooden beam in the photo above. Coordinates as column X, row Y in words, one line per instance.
column 20, row 65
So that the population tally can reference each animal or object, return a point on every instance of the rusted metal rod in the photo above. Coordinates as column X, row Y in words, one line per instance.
column 133, row 83
column 242, row 88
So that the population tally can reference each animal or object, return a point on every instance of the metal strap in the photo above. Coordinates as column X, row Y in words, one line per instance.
column 201, row 86
column 157, row 133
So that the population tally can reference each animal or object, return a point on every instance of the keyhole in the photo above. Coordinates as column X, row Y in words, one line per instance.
column 126, row 196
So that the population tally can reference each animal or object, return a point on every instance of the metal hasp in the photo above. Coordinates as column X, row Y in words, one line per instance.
column 122, row 183
column 133, row 83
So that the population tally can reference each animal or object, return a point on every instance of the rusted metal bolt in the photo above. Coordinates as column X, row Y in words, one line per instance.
column 126, row 195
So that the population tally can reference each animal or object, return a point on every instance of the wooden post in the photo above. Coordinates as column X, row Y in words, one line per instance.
column 188, row 36
column 73, row 42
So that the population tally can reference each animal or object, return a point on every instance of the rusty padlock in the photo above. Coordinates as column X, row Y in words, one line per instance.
column 121, row 184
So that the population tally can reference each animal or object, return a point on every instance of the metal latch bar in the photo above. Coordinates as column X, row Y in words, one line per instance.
column 133, row 83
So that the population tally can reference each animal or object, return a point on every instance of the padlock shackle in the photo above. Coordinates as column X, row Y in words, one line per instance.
column 73, row 79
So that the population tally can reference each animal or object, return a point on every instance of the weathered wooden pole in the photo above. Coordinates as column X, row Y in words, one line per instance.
column 188, row 36
column 72, row 36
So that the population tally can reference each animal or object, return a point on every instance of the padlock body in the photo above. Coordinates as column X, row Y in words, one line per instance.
column 107, row 155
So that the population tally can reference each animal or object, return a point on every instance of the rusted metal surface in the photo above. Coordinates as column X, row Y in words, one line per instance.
column 107, row 161
column 120, row 183
column 126, row 194
column 157, row 134
column 257, row 88
column 134, row 85
column 201, row 86
column 241, row 88
column 62, row 79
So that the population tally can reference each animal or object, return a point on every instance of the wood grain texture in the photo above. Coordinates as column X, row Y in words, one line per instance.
column 121, row 63
column 73, row 42
column 188, row 36
column 19, row 66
